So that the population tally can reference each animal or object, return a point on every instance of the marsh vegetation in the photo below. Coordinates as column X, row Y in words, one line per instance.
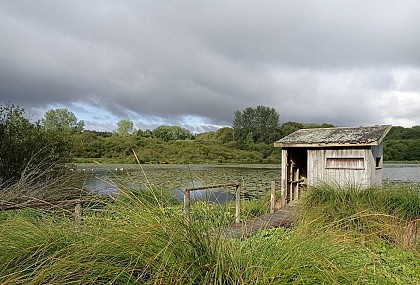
column 341, row 236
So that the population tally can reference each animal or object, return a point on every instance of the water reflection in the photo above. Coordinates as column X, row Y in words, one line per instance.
column 218, row 196
column 255, row 179
column 402, row 172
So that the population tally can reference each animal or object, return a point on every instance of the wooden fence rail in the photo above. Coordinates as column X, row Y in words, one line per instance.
column 187, row 198
column 78, row 210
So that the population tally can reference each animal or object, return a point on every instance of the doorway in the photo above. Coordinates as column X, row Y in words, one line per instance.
column 295, row 173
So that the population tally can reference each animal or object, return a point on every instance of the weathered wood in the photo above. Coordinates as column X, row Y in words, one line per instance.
column 296, row 194
column 283, row 176
column 78, row 213
column 281, row 218
column 335, row 137
column 187, row 201
column 283, row 197
column 339, row 156
column 290, row 188
column 273, row 196
column 238, row 204
column 212, row 186
column 187, row 198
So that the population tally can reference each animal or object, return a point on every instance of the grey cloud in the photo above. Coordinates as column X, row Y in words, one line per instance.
column 314, row 61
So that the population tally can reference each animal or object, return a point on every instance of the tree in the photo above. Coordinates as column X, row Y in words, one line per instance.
column 23, row 143
column 224, row 135
column 291, row 127
column 125, row 127
column 168, row 133
column 260, row 124
column 62, row 120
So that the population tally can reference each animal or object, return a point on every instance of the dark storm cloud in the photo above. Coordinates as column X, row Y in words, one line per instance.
column 344, row 62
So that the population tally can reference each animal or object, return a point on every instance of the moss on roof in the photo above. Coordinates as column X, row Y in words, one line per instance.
column 370, row 135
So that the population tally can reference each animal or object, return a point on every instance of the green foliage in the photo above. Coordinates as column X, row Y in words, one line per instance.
column 399, row 132
column 290, row 127
column 210, row 147
column 390, row 212
column 402, row 144
column 402, row 150
column 260, row 124
column 397, row 200
column 144, row 134
column 249, row 141
column 125, row 127
column 142, row 239
column 169, row 133
column 224, row 135
column 62, row 120
column 23, row 144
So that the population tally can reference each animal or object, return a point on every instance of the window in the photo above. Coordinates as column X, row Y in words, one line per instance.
column 345, row 163
column 378, row 162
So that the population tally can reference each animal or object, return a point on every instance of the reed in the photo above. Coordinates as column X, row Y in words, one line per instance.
column 391, row 212
column 143, row 238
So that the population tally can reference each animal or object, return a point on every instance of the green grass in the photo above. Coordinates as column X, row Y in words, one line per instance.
column 341, row 237
column 391, row 211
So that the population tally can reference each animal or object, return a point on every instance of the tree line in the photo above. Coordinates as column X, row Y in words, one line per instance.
column 60, row 137
column 402, row 144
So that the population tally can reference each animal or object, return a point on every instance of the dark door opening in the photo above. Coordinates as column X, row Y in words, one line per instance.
column 297, row 164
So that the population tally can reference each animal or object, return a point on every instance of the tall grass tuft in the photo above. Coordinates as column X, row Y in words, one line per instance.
column 40, row 182
column 143, row 238
column 391, row 212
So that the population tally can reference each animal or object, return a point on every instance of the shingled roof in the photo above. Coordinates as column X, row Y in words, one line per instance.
column 348, row 136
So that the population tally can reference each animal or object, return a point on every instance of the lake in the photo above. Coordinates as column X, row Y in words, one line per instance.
column 254, row 178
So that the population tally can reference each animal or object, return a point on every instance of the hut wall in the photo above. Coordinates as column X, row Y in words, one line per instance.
column 341, row 166
column 375, row 161
column 284, row 158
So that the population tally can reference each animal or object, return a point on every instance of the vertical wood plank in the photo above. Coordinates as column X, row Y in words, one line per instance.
column 283, row 195
column 238, row 204
column 283, row 177
column 297, row 184
column 78, row 213
column 273, row 196
column 290, row 184
column 187, row 201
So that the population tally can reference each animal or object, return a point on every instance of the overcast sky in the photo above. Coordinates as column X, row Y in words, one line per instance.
column 194, row 63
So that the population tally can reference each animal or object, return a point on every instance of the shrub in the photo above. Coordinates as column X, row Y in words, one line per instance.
column 24, row 144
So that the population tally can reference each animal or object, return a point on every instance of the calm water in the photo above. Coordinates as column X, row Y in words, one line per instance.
column 256, row 179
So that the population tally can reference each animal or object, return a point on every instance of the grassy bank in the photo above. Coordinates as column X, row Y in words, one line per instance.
column 342, row 236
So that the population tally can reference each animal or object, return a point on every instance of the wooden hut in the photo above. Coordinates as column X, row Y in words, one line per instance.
column 350, row 155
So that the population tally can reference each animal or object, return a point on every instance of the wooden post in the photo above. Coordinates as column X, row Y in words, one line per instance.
column 284, row 173
column 273, row 196
column 78, row 213
column 187, row 205
column 296, row 186
column 289, row 197
column 238, row 204
column 283, row 193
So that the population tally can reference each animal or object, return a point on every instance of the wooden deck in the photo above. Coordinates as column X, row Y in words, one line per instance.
column 281, row 218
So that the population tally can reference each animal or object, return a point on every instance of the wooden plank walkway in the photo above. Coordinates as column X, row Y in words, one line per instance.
column 281, row 218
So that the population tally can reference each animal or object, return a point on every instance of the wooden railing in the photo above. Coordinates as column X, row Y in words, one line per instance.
column 78, row 210
column 187, row 198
